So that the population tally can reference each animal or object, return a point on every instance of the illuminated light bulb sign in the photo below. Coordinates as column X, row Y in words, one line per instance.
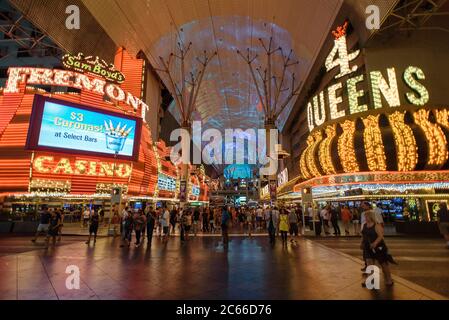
column 442, row 117
column 52, row 166
column 409, row 78
column 406, row 149
column 374, row 147
column 436, row 140
column 310, row 155
column 65, row 78
column 302, row 160
column 324, row 150
column 325, row 105
column 340, row 48
column 346, row 150
column 92, row 65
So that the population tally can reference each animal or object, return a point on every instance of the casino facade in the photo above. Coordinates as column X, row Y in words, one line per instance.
column 68, row 168
column 374, row 124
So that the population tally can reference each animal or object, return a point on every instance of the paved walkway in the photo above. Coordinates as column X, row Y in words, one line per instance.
column 199, row 269
column 421, row 260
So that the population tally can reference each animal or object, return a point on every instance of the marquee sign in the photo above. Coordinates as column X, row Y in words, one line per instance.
column 327, row 104
column 95, row 66
column 65, row 78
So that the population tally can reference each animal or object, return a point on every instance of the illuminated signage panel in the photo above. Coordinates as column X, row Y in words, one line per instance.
column 67, row 127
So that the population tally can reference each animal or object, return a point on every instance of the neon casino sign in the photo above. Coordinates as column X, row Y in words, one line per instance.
column 50, row 165
column 324, row 106
column 66, row 78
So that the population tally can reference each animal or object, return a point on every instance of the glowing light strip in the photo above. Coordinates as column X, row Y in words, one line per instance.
column 436, row 140
column 442, row 117
column 376, row 187
column 325, row 152
column 384, row 196
column 386, row 177
column 310, row 155
column 374, row 147
column 302, row 161
column 346, row 150
column 406, row 149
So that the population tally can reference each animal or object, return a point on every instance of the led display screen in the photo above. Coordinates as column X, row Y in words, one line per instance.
column 165, row 182
column 63, row 126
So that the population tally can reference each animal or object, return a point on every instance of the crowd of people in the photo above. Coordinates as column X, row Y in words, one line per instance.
column 163, row 222
column 187, row 222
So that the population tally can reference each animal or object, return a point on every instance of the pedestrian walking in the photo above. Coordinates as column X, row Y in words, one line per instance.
column 293, row 224
column 271, row 228
column 346, row 217
column 283, row 226
column 196, row 221
column 43, row 223
column 53, row 228
column 334, row 220
column 138, row 224
column 127, row 230
column 86, row 216
column 374, row 247
column 151, row 221
column 94, row 221
column 225, row 224
column 173, row 220
column 443, row 222
column 165, row 223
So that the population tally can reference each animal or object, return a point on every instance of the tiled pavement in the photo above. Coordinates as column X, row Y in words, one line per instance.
column 420, row 260
column 199, row 269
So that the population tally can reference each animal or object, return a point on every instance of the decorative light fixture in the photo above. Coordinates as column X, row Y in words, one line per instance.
column 374, row 147
column 436, row 140
column 311, row 151
column 325, row 152
column 406, row 149
column 442, row 117
column 302, row 160
column 346, row 150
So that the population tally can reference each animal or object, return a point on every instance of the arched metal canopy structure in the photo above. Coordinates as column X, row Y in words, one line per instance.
column 227, row 97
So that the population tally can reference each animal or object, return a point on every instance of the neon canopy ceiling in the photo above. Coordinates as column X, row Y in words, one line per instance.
column 227, row 98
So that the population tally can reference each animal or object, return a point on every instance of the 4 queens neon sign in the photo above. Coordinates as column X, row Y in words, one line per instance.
column 326, row 105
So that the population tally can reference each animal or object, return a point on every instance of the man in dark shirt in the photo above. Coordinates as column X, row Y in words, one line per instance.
column 43, row 224
column 151, row 219
column 225, row 221
column 196, row 221
column 443, row 224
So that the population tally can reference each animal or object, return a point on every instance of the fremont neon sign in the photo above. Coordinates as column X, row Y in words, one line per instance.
column 65, row 78
column 325, row 105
